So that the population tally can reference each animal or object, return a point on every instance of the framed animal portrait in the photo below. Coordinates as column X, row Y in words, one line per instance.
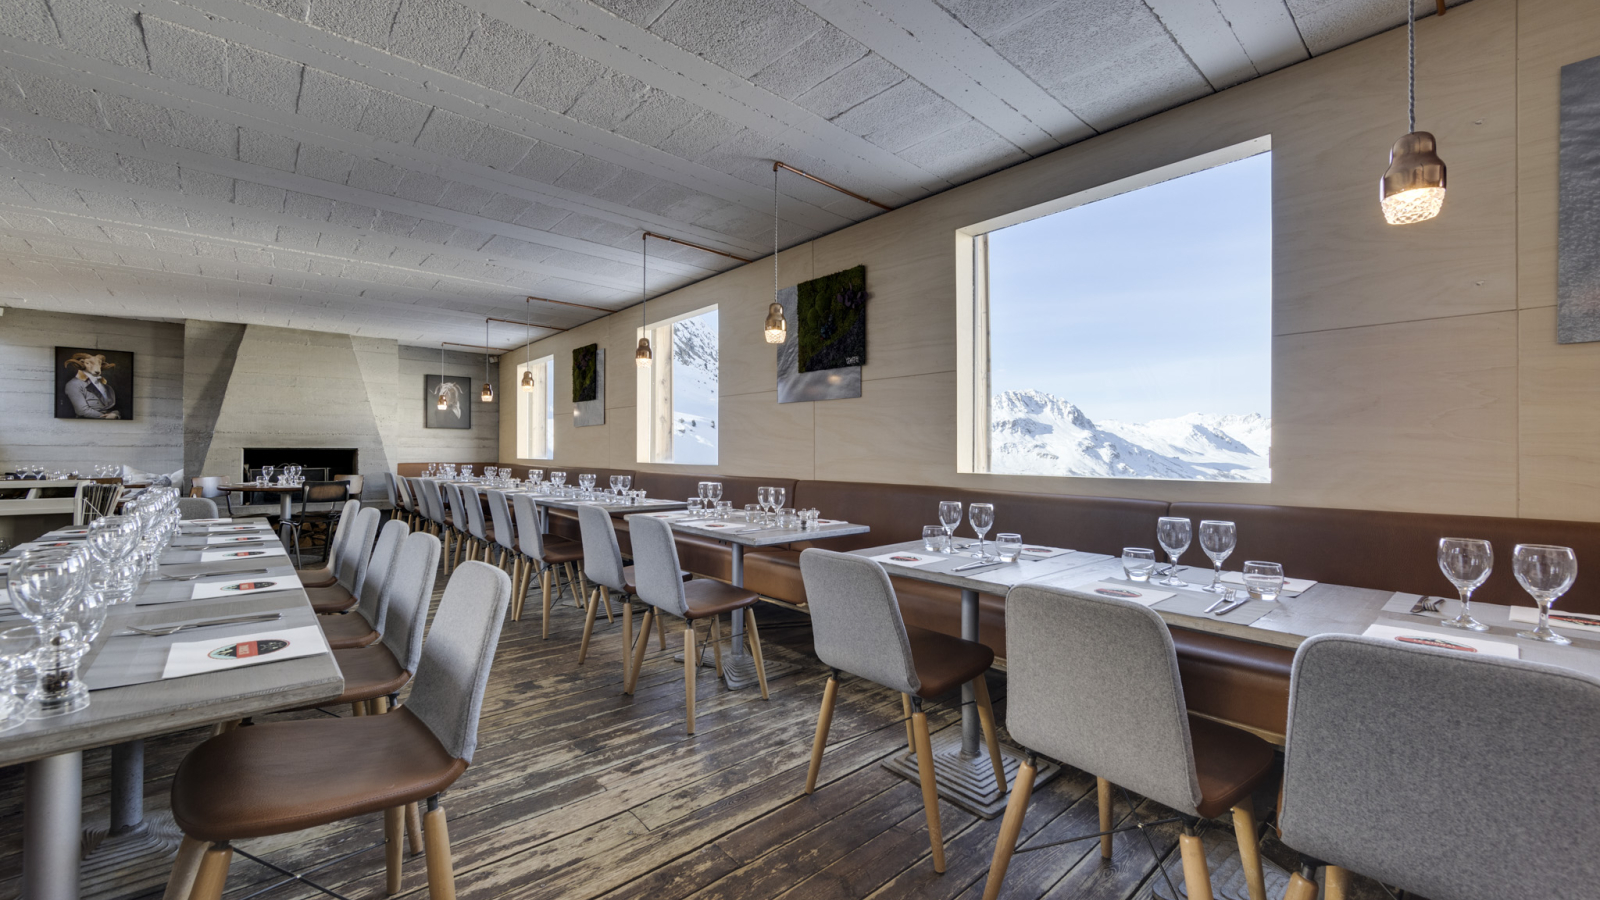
column 93, row 384
column 457, row 393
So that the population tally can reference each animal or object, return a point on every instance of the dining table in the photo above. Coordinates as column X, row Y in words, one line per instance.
column 285, row 493
column 130, row 700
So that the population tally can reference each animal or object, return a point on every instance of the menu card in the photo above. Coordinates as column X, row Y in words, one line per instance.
column 221, row 654
column 242, row 538
column 1124, row 591
column 1417, row 638
column 216, row 589
column 253, row 552
column 50, row 545
column 1576, row 621
column 908, row 558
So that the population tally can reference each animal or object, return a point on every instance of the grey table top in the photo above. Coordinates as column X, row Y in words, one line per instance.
column 747, row 535
column 995, row 579
column 158, row 707
column 616, row 509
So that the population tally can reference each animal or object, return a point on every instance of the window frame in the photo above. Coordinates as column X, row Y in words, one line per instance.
column 653, row 393
column 972, row 296
column 544, row 369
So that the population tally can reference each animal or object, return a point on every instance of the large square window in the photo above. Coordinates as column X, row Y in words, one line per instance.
column 536, row 409
column 1126, row 331
column 677, row 414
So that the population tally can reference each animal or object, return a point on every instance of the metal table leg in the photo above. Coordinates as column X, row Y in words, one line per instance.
column 960, row 761
column 52, row 812
column 285, row 514
column 132, row 850
column 738, row 666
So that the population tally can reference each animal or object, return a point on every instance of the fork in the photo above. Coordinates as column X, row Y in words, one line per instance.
column 164, row 630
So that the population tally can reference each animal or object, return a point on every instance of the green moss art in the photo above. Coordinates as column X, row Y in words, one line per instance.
column 833, row 321
column 585, row 373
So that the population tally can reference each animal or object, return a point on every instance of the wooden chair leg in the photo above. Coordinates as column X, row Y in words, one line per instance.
column 516, row 588
column 1244, row 829
column 377, row 706
column 413, row 829
column 588, row 628
column 627, row 640
column 661, row 633
column 911, row 736
column 184, row 869
column 358, row 708
column 1338, row 882
column 1103, row 788
column 212, row 877
column 1300, row 888
column 393, row 848
column 980, row 692
column 574, row 584
column 544, row 582
column 716, row 643
column 930, row 789
column 638, row 653
column 690, row 658
column 753, row 638
column 1010, row 829
column 824, row 721
column 441, row 873
column 1196, row 872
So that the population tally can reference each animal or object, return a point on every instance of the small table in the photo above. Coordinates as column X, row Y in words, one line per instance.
column 738, row 667
column 285, row 494
column 961, row 766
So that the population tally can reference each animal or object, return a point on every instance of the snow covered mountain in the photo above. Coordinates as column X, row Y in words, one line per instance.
column 1036, row 433
column 694, row 390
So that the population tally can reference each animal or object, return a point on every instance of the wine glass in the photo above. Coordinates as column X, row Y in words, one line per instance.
column 778, row 495
column 981, row 517
column 1467, row 562
column 626, row 481
column 949, row 517
column 714, row 491
column 1174, row 535
column 1546, row 573
column 763, row 499
column 1217, row 539
column 616, row 484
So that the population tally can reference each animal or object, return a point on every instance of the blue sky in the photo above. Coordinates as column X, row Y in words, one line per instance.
column 1146, row 305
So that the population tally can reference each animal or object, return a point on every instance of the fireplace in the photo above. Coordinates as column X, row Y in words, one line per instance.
column 320, row 463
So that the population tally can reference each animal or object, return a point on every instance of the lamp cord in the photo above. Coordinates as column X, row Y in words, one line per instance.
column 774, row 234
column 1411, row 65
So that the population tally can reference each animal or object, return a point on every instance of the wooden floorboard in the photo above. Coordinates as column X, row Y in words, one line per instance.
column 578, row 791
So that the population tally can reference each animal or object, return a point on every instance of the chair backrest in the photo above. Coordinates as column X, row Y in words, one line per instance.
column 655, row 564
column 433, row 501
column 457, row 510
column 1092, row 681
column 196, row 508
column 1444, row 773
column 530, row 539
column 351, row 566
column 447, row 692
column 390, row 487
column 357, row 483
column 207, row 486
column 370, row 599
column 500, row 512
column 92, row 500
column 406, row 597
column 855, row 619
column 602, row 558
column 403, row 498
column 325, row 492
column 472, row 499
column 342, row 531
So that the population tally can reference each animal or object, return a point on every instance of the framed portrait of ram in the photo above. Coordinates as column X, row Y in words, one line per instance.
column 93, row 384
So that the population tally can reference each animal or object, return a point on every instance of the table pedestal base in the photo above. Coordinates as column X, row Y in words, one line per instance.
column 120, row 864
column 968, row 781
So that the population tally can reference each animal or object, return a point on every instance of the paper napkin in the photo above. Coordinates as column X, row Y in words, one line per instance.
column 1438, row 641
column 264, row 584
column 221, row 654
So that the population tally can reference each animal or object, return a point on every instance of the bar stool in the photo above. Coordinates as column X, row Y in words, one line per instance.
column 602, row 565
column 857, row 628
column 1094, row 683
column 542, row 552
column 1442, row 773
column 324, row 575
column 281, row 777
column 364, row 624
column 351, row 567
column 660, row 584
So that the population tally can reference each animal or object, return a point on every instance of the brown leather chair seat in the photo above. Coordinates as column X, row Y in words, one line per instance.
column 278, row 777
column 331, row 599
column 706, row 598
column 633, row 585
column 1229, row 763
column 348, row 631
column 945, row 663
column 321, row 576
column 558, row 550
column 369, row 673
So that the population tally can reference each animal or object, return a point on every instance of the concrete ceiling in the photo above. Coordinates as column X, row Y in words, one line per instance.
column 405, row 168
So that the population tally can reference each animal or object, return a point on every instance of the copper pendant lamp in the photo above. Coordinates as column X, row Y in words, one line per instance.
column 1412, row 190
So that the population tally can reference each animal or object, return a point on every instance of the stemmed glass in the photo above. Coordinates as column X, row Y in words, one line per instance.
column 1174, row 535
column 1546, row 573
column 1217, row 539
column 778, row 495
column 625, row 483
column 763, row 500
column 1467, row 562
column 949, row 517
column 981, row 517
column 535, row 476
column 558, row 479
column 714, row 494
column 266, row 474
column 616, row 484
column 44, row 587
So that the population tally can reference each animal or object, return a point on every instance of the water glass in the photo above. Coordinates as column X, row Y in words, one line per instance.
column 1217, row 539
column 950, row 517
column 1174, row 536
column 1546, row 573
column 1467, row 562
column 752, row 512
column 981, row 517
column 1264, row 580
column 724, row 510
column 1008, row 546
column 1138, row 563
column 787, row 518
column 695, row 506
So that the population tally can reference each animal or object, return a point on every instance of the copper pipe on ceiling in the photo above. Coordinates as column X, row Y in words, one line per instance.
column 523, row 324
column 1440, row 5
column 776, row 165
column 569, row 303
column 673, row 240
column 477, row 347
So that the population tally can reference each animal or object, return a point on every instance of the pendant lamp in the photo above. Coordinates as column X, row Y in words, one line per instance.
column 1412, row 190
column 444, row 400
column 527, row 364
column 641, row 357
column 487, row 394
column 776, row 329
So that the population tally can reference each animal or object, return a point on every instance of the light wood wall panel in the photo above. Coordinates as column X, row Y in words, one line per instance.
column 1404, row 377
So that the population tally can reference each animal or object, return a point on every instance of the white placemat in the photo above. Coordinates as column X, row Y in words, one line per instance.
column 908, row 558
column 1036, row 552
column 254, row 552
column 1290, row 585
column 1574, row 621
column 206, row 521
column 220, row 654
column 239, row 588
column 241, row 538
column 230, row 529
column 49, row 545
column 1124, row 591
column 1419, row 638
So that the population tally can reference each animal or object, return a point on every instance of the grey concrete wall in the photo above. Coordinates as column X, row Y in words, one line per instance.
column 209, row 349
column 418, row 444
column 29, row 431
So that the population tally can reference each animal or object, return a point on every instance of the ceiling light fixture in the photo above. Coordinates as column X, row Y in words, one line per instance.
column 527, row 364
column 1412, row 190
column 641, row 357
column 776, row 329
column 444, row 401
column 487, row 394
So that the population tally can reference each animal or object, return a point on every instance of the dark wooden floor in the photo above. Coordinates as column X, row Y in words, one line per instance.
column 578, row 791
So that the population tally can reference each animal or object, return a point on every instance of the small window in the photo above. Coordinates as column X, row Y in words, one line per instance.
column 1126, row 331
column 536, row 410
column 677, row 415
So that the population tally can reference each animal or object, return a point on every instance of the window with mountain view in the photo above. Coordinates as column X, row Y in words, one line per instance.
column 536, row 409
column 1130, row 334
column 678, row 413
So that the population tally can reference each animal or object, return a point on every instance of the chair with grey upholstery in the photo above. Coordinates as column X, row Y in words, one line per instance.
column 1093, row 683
column 375, row 673
column 363, row 625
column 433, row 510
column 456, row 516
column 541, row 555
column 479, row 536
column 350, row 569
column 281, row 777
column 196, row 508
column 857, row 628
column 502, row 532
column 407, row 500
column 392, row 489
column 603, row 566
column 326, row 575
column 659, row 579
column 1445, row 774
